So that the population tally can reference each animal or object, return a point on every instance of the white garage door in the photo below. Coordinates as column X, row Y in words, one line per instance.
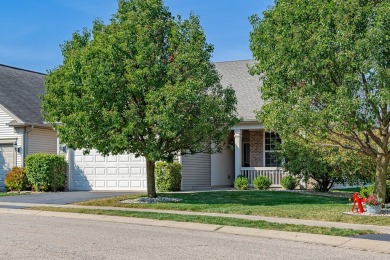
column 7, row 161
column 95, row 172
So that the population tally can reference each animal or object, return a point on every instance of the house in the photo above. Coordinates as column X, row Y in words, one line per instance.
column 22, row 128
column 248, row 149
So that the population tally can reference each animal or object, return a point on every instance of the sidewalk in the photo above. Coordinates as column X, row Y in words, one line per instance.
column 380, row 229
column 335, row 241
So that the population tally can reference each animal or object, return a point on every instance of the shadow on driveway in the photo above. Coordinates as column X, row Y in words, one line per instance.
column 62, row 197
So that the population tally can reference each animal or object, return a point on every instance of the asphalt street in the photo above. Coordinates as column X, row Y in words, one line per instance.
column 43, row 237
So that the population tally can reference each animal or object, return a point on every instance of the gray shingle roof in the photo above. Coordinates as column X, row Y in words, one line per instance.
column 19, row 93
column 20, row 90
column 235, row 73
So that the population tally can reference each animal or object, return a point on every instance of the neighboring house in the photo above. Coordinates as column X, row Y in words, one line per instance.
column 22, row 129
column 248, row 147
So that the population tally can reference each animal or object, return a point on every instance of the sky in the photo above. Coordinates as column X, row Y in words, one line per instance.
column 33, row 30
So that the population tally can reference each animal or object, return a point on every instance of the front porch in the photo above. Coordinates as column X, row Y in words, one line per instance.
column 253, row 154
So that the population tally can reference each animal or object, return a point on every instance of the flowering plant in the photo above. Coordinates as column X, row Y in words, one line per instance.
column 373, row 200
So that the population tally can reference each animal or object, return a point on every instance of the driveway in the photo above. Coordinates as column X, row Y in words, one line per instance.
column 58, row 197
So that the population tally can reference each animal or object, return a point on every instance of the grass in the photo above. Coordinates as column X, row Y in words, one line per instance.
column 224, row 221
column 261, row 203
column 5, row 194
column 347, row 190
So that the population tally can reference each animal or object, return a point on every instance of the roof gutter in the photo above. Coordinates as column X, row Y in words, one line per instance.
column 17, row 124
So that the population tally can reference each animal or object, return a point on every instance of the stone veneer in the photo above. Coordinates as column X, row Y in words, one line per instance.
column 256, row 148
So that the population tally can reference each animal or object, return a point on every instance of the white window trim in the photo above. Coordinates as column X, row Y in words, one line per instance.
column 265, row 151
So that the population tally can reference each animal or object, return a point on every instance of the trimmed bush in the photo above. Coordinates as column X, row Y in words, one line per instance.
column 16, row 179
column 367, row 191
column 46, row 172
column 289, row 182
column 241, row 183
column 262, row 183
column 168, row 176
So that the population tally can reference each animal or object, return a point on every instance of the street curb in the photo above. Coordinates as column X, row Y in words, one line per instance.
column 335, row 241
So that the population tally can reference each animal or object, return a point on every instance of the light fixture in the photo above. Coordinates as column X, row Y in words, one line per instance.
column 17, row 149
column 63, row 148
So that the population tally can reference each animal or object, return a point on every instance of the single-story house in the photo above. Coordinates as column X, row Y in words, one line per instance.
column 22, row 128
column 23, row 131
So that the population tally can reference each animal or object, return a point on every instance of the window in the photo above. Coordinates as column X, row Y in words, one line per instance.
column 247, row 155
column 270, row 145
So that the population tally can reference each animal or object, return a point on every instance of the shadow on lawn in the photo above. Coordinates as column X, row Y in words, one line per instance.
column 254, row 198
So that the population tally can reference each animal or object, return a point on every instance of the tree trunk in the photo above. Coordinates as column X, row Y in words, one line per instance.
column 150, row 165
column 382, row 163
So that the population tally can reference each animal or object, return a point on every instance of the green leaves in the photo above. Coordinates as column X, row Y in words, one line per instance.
column 326, row 72
column 142, row 84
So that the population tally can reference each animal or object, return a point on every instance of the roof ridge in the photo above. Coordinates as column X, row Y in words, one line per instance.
column 16, row 68
column 233, row 61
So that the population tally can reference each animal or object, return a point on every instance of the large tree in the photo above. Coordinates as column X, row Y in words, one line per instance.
column 142, row 84
column 325, row 66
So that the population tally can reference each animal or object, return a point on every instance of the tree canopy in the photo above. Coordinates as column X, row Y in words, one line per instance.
column 142, row 84
column 325, row 68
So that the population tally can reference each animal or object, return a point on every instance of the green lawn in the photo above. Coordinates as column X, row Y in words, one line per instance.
column 217, row 221
column 261, row 203
column 347, row 190
column 4, row 194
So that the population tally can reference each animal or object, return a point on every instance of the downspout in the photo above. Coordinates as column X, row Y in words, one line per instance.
column 25, row 143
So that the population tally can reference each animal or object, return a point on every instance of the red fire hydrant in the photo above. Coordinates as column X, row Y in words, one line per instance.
column 358, row 200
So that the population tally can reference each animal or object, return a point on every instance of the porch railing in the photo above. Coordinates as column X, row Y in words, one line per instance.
column 274, row 173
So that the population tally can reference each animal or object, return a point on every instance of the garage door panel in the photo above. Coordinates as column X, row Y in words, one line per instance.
column 7, row 161
column 120, row 172
column 88, row 158
column 100, row 171
column 112, row 158
column 123, row 170
column 124, row 184
column 99, row 158
column 124, row 158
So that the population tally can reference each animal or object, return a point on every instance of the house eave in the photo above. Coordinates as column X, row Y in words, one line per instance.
column 23, row 124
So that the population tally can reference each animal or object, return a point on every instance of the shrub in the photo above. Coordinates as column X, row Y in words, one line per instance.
column 262, row 182
column 168, row 176
column 241, row 183
column 16, row 179
column 324, row 165
column 289, row 182
column 46, row 172
column 367, row 191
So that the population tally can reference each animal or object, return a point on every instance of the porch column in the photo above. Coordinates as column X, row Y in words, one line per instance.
column 237, row 151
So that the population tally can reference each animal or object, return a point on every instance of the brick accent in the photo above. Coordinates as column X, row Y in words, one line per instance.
column 256, row 148
column 245, row 136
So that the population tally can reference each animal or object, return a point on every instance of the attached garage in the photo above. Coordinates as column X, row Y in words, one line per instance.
column 7, row 161
column 126, row 172
column 96, row 172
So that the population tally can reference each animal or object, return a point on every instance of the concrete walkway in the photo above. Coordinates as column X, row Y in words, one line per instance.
column 380, row 229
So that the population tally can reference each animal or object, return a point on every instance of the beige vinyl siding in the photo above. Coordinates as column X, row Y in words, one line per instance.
column 222, row 168
column 196, row 171
column 9, row 133
column 41, row 140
